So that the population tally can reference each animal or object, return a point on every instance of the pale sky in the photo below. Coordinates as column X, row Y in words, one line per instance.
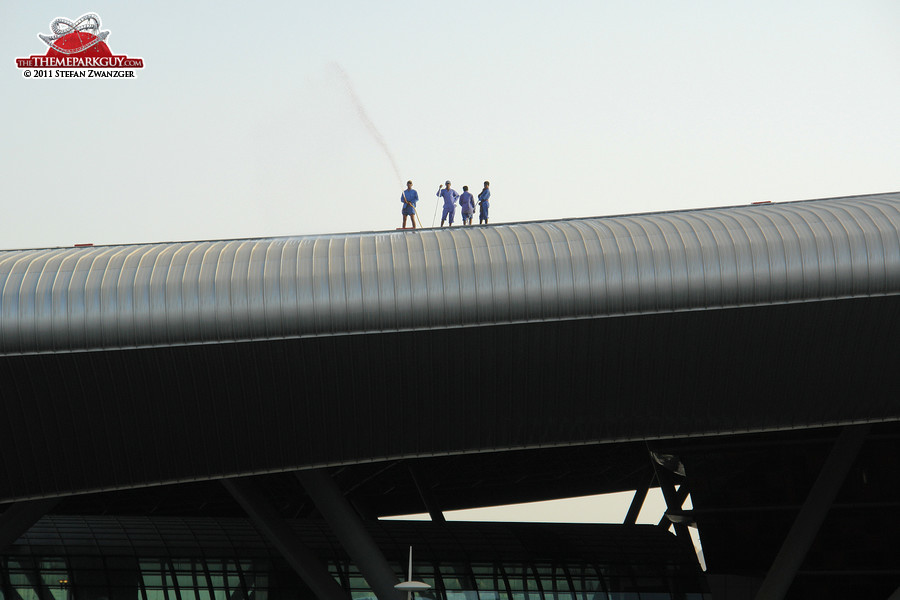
column 242, row 123
column 603, row 508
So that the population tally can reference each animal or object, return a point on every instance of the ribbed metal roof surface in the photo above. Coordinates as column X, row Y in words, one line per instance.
column 72, row 299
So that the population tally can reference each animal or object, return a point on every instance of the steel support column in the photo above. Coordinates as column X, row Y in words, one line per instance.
column 20, row 516
column 673, row 500
column 301, row 558
column 349, row 529
column 680, row 496
column 799, row 539
column 637, row 503
column 427, row 497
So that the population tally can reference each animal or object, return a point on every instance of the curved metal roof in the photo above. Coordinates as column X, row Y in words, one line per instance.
column 108, row 297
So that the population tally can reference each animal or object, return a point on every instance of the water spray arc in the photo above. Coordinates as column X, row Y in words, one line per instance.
column 364, row 117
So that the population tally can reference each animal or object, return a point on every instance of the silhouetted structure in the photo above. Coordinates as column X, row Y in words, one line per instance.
column 745, row 354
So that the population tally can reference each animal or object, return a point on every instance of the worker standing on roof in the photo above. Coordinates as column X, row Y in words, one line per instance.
column 483, row 204
column 467, row 206
column 450, row 197
column 409, row 197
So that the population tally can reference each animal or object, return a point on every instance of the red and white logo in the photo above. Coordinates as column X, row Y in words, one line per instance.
column 78, row 45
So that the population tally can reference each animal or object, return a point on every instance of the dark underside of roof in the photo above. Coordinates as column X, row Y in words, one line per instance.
column 82, row 422
column 495, row 415
column 746, row 491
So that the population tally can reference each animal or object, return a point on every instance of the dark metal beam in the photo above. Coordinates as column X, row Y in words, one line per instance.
column 349, row 529
column 680, row 496
column 427, row 497
column 799, row 539
column 20, row 516
column 302, row 560
column 637, row 503
column 673, row 501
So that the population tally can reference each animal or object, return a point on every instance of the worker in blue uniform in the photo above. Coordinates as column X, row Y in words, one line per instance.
column 409, row 197
column 483, row 204
column 466, row 206
column 450, row 197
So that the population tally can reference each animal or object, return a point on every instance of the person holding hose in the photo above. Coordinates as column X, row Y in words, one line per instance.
column 409, row 197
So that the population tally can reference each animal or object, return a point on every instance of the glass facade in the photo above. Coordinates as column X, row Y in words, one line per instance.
column 173, row 558
column 123, row 578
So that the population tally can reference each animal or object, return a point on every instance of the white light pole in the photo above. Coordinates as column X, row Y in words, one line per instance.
column 409, row 585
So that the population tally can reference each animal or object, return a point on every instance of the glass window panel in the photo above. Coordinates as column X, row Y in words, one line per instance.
column 26, row 593
column 54, row 578
column 588, row 585
column 464, row 595
column 203, row 589
column 559, row 584
column 155, row 594
column 18, row 579
column 258, row 581
column 454, row 577
column 485, row 583
column 452, row 583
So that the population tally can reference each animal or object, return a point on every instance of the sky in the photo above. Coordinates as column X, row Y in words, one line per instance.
column 604, row 508
column 281, row 118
